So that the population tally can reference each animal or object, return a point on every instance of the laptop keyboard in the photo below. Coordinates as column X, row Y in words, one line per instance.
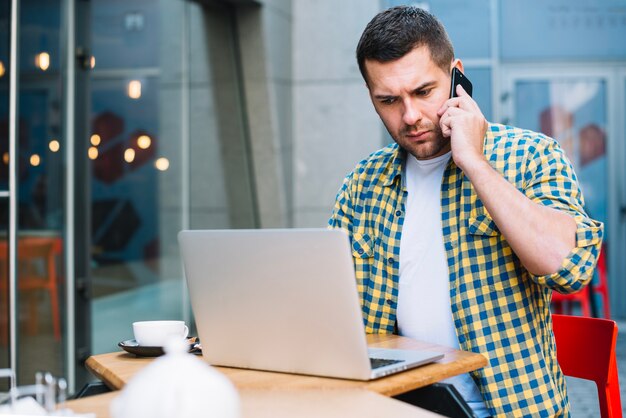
column 382, row 362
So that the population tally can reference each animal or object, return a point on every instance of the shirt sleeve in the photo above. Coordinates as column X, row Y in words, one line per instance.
column 342, row 215
column 550, row 180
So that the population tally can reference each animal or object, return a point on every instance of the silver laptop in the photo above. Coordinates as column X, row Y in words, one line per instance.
column 283, row 300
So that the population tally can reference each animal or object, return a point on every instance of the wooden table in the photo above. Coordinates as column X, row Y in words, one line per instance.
column 280, row 394
column 288, row 404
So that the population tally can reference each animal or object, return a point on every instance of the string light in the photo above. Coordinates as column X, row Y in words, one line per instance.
column 54, row 145
column 162, row 164
column 95, row 140
column 42, row 60
column 134, row 89
column 35, row 160
column 144, row 142
column 129, row 155
column 92, row 153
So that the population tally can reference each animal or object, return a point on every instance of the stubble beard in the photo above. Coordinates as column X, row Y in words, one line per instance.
column 424, row 150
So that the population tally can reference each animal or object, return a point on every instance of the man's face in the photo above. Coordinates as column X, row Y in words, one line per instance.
column 406, row 94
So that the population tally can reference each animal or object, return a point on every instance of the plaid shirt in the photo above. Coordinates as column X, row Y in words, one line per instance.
column 499, row 308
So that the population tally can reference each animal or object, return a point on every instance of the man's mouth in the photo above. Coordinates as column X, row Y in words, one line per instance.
column 417, row 135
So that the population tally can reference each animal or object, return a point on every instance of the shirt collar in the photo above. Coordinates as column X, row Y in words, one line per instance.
column 394, row 167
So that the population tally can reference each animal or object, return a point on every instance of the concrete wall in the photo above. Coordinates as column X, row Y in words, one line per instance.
column 276, row 113
column 264, row 34
column 335, row 125
column 307, row 106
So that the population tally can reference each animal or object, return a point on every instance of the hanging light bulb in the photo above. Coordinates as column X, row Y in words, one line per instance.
column 92, row 153
column 35, row 160
column 54, row 145
column 95, row 140
column 144, row 142
column 129, row 155
column 42, row 60
column 134, row 89
column 162, row 164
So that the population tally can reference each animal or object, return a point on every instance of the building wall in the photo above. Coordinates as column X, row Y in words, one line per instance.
column 308, row 112
column 334, row 124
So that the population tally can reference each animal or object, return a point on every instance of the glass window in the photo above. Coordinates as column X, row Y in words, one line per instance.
column 40, row 192
column 125, row 34
column 562, row 29
column 128, row 159
column 168, row 151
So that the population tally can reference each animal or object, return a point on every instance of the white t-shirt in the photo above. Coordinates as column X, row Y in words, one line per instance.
column 424, row 311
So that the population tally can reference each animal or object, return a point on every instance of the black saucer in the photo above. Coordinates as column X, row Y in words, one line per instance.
column 133, row 347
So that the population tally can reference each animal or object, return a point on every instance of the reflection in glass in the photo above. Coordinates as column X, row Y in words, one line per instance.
column 5, row 32
column 4, row 292
column 40, row 194
column 127, row 132
column 162, row 164
column 134, row 89
column 138, row 171
column 42, row 60
column 54, row 145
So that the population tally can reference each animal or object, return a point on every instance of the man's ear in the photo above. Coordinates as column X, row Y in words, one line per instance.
column 458, row 64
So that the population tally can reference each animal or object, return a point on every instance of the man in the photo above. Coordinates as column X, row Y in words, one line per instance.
column 462, row 229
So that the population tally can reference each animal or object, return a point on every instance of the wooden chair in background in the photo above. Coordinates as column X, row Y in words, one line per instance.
column 37, row 270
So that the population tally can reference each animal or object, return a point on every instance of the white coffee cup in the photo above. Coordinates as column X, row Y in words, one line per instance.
column 156, row 333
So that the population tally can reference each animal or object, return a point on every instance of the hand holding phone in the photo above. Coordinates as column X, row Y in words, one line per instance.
column 462, row 121
column 459, row 78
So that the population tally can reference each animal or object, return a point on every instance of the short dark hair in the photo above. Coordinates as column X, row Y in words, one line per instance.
column 395, row 32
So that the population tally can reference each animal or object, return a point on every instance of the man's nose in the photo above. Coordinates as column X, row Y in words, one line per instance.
column 411, row 114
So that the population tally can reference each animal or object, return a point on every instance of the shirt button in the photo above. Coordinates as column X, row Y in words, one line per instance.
column 461, row 339
column 360, row 251
column 398, row 213
column 389, row 302
column 391, row 260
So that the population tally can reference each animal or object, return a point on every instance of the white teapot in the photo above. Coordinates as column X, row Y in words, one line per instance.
column 177, row 385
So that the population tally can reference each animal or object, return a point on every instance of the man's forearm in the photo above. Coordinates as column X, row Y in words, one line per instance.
column 540, row 236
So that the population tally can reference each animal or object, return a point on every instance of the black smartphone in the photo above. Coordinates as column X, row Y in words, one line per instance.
column 459, row 78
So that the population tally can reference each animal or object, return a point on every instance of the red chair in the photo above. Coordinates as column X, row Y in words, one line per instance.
column 585, row 348
column 562, row 304
column 603, row 286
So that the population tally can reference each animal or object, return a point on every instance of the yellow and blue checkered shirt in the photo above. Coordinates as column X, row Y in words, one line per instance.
column 499, row 309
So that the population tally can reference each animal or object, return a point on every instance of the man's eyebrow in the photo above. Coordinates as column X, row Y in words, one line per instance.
column 426, row 85
column 423, row 86
column 384, row 96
